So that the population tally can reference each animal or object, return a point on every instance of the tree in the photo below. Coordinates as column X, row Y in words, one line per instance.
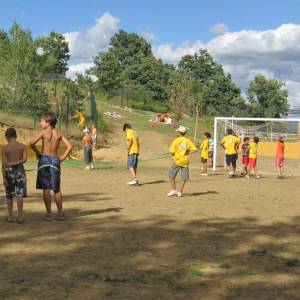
column 129, row 67
column 267, row 97
column 54, row 54
column 213, row 91
column 179, row 95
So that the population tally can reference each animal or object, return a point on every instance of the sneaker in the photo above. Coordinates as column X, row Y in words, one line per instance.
column 204, row 174
column 48, row 217
column 258, row 177
column 179, row 194
column 173, row 193
column 61, row 217
column 92, row 166
column 87, row 168
column 247, row 176
column 132, row 182
column 230, row 174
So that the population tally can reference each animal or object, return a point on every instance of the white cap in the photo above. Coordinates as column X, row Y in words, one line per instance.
column 181, row 129
column 86, row 130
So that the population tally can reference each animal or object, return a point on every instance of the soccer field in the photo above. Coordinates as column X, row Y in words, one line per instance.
column 225, row 239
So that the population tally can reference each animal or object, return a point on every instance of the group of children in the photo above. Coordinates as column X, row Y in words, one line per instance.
column 182, row 147
column 14, row 155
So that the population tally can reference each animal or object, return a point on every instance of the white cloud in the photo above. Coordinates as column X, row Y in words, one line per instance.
column 274, row 53
column 84, row 45
column 78, row 69
column 172, row 55
column 219, row 29
column 149, row 36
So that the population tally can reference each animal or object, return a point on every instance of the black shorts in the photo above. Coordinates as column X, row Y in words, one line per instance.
column 231, row 160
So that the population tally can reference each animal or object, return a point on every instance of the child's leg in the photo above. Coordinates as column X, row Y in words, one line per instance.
column 10, row 204
column 205, row 167
column 47, row 200
column 132, row 171
column 173, row 184
column 255, row 171
column 20, row 208
column 182, row 184
column 58, row 201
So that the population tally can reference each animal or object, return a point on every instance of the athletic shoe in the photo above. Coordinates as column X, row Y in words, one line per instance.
column 173, row 193
column 133, row 182
column 247, row 176
column 230, row 174
column 204, row 174
column 92, row 166
column 257, row 177
column 61, row 217
column 87, row 168
column 179, row 194
column 48, row 217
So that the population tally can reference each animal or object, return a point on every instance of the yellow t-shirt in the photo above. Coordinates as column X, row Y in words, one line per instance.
column 253, row 150
column 229, row 143
column 131, row 135
column 180, row 148
column 80, row 118
column 204, row 149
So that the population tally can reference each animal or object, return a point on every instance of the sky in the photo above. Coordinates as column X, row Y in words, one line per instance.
column 246, row 37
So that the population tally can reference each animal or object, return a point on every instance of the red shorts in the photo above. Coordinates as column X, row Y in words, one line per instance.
column 252, row 162
column 245, row 160
column 279, row 162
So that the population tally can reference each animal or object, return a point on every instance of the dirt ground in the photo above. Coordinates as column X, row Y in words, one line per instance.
column 225, row 239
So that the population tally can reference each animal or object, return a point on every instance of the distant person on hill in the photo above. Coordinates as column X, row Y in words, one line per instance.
column 204, row 153
column 80, row 118
column 230, row 144
column 253, row 146
column 14, row 155
column 94, row 136
column 180, row 148
column 133, row 150
column 48, row 175
column 245, row 155
column 280, row 157
column 87, row 149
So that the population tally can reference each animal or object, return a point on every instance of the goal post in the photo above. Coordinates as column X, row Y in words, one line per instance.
column 268, row 130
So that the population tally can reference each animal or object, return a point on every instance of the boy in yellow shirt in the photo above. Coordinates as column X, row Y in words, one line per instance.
column 133, row 149
column 180, row 148
column 253, row 146
column 204, row 152
column 230, row 144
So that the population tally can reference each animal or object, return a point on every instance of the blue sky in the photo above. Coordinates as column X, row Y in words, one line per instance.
column 246, row 37
column 171, row 20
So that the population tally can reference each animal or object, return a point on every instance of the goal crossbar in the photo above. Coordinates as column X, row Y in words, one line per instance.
column 216, row 119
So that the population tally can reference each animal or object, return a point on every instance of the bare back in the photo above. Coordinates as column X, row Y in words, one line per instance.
column 14, row 151
column 51, row 139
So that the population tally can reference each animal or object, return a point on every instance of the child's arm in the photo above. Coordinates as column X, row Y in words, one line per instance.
column 33, row 143
column 129, row 144
column 3, row 168
column 68, row 148
column 18, row 162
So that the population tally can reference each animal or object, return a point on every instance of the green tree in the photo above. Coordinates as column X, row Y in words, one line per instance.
column 213, row 91
column 129, row 67
column 54, row 54
column 267, row 97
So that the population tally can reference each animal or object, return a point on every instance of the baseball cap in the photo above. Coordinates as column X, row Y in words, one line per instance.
column 181, row 129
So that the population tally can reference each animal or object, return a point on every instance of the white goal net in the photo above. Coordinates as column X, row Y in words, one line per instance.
column 268, row 130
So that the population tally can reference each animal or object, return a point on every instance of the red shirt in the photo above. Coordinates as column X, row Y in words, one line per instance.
column 280, row 150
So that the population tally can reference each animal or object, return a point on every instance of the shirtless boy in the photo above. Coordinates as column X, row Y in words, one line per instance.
column 87, row 149
column 14, row 155
column 48, row 175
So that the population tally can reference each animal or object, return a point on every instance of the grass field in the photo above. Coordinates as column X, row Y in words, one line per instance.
column 217, row 242
column 225, row 239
